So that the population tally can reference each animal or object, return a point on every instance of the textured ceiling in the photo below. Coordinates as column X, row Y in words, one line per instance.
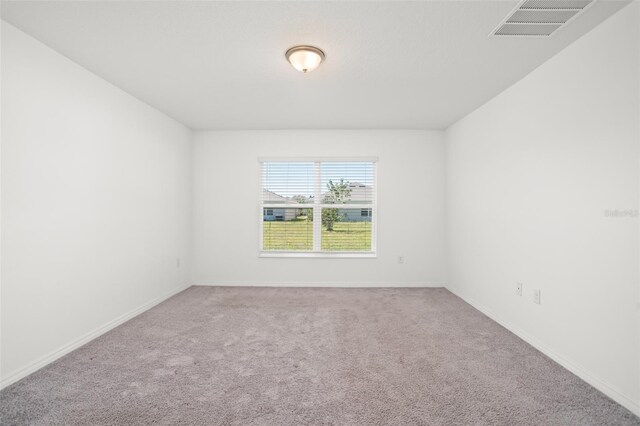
column 221, row 65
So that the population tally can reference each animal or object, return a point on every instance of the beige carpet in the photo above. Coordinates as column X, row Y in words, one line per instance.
column 285, row 356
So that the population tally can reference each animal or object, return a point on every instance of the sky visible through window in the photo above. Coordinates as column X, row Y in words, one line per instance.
column 298, row 178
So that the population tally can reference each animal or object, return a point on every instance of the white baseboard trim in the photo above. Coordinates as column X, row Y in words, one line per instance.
column 75, row 344
column 368, row 284
column 599, row 384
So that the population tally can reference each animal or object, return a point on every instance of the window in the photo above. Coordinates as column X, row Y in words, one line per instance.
column 318, row 208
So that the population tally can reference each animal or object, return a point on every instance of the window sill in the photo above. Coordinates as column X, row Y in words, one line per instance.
column 324, row 255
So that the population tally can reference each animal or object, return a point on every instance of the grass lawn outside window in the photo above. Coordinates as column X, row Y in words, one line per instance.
column 297, row 235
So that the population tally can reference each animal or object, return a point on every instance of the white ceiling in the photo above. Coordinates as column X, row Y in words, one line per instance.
column 221, row 65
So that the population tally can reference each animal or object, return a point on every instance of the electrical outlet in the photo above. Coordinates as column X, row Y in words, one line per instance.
column 536, row 296
column 519, row 289
column 401, row 259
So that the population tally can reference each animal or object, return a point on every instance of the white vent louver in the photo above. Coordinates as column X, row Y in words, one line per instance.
column 540, row 18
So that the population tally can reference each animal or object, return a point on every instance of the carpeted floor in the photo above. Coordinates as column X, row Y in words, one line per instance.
column 293, row 356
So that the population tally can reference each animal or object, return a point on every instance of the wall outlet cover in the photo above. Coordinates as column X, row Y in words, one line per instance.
column 536, row 296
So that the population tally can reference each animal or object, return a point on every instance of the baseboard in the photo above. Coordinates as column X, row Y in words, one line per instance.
column 58, row 353
column 322, row 284
column 588, row 377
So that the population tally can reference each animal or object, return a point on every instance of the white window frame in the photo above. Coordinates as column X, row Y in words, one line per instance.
column 317, row 207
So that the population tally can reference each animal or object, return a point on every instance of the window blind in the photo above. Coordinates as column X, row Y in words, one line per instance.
column 318, row 206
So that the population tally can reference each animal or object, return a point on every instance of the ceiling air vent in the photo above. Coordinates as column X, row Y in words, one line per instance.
column 540, row 18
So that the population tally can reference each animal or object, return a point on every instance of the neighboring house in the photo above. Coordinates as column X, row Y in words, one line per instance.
column 271, row 214
column 357, row 215
column 360, row 194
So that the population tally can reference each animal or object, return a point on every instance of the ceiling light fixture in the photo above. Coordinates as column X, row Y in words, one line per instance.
column 305, row 58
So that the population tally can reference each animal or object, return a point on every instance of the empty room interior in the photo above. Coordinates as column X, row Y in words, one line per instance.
column 320, row 212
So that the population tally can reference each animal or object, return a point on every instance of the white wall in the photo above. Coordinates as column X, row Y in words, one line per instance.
column 410, row 215
column 529, row 177
column 95, row 204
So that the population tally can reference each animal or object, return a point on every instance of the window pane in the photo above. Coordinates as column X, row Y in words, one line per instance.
column 347, row 182
column 287, row 229
column 345, row 230
column 288, row 182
